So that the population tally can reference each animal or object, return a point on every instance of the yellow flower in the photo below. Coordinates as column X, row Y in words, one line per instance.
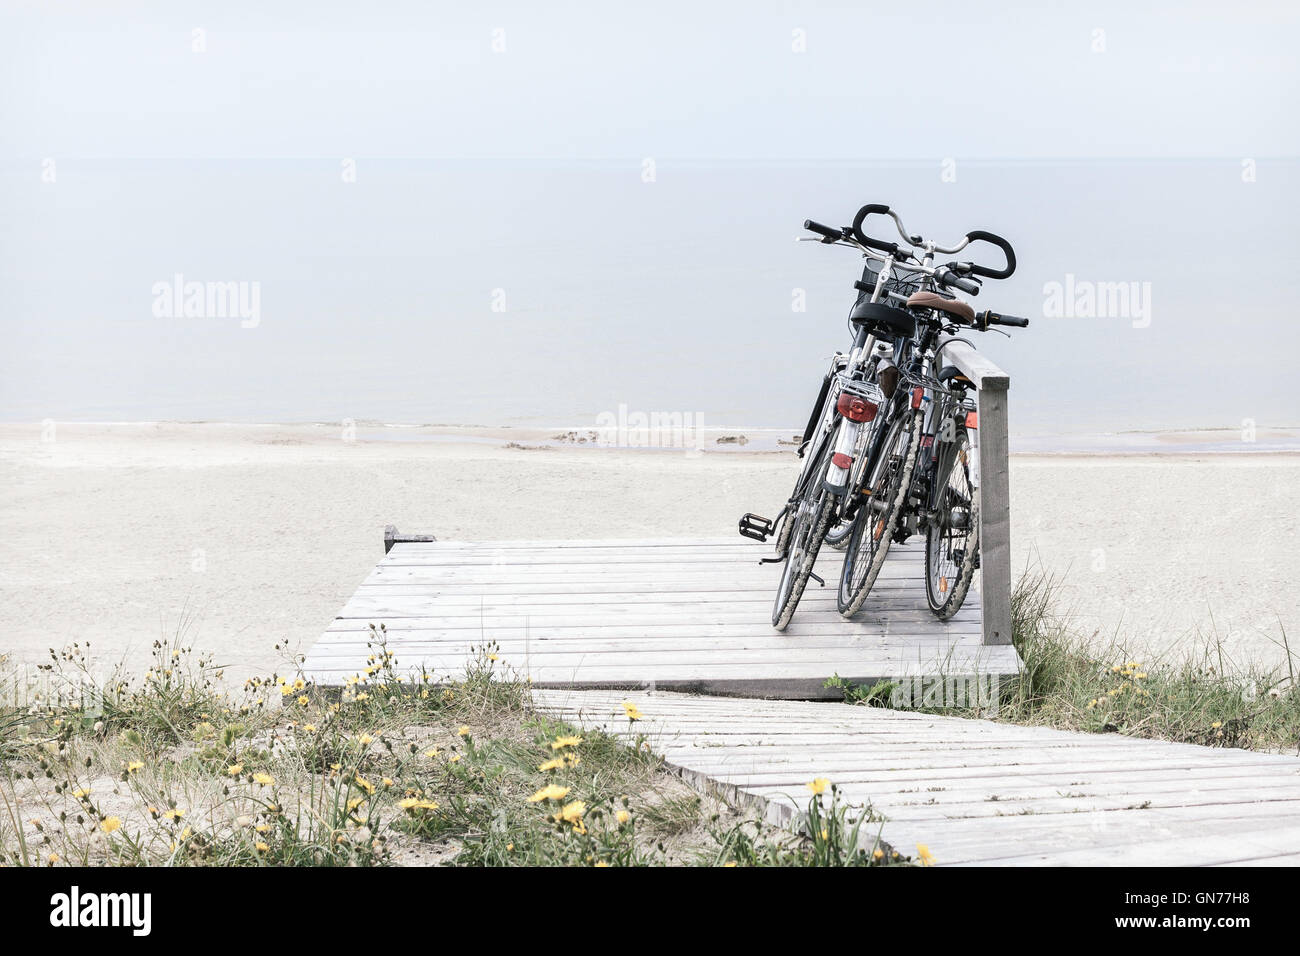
column 1217, row 724
column 263, row 828
column 54, row 858
column 454, row 758
column 877, row 853
column 549, row 792
column 235, row 769
column 555, row 764
column 85, row 792
column 109, row 824
column 387, row 781
column 260, row 847
column 174, row 814
column 365, row 739
column 633, row 713
column 818, row 786
column 730, row 863
column 571, row 812
column 622, row 816
column 365, row 784
column 265, row 779
column 134, row 765
column 924, row 854
column 493, row 657
column 304, row 700
column 559, row 743
column 462, row 731
column 431, row 753
column 310, row 728
column 601, row 863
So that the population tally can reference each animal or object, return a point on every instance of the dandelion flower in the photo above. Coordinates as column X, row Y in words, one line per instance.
column 365, row 739
column 365, row 784
column 559, row 743
column 622, row 816
column 572, row 812
column 235, row 769
column 134, row 765
column 818, row 786
column 550, row 765
column 462, row 731
column 265, row 779
column 549, row 792
column 632, row 711
column 174, row 814
column 924, row 854
column 109, row 824
column 260, row 847
column 431, row 753
column 877, row 854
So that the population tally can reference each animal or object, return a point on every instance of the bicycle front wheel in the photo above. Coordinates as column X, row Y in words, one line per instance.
column 888, row 479
column 952, row 539
column 808, row 527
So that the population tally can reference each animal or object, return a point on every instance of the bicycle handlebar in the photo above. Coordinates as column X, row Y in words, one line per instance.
column 978, row 235
column 1004, row 273
column 989, row 317
column 827, row 233
column 878, row 244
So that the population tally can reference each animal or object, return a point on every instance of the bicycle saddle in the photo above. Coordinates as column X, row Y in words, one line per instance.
column 883, row 318
column 932, row 300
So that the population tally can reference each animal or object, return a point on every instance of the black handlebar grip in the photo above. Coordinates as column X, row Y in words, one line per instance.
column 990, row 317
column 878, row 244
column 826, row 232
column 969, row 286
column 1002, row 244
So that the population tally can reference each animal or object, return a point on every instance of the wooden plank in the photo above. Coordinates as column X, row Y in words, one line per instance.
column 974, row 791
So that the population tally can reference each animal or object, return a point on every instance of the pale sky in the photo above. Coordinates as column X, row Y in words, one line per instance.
column 713, row 80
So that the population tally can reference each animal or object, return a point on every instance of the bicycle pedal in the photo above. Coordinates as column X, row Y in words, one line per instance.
column 756, row 527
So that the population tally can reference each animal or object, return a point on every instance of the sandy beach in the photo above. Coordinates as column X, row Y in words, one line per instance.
column 249, row 535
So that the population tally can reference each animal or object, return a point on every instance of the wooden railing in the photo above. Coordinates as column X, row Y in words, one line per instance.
column 995, row 501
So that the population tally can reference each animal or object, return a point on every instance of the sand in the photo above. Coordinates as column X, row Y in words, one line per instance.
column 248, row 535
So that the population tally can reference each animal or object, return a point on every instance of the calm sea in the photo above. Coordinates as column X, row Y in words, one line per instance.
column 537, row 293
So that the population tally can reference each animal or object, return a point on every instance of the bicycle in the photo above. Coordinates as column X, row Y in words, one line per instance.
column 867, row 460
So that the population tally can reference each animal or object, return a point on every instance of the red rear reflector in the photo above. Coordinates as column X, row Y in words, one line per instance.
column 856, row 408
column 841, row 460
column 972, row 420
column 916, row 396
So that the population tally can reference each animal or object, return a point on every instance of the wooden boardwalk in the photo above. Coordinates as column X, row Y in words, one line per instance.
column 974, row 791
column 691, row 615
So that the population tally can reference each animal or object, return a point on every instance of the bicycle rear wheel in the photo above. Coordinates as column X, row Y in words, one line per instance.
column 888, row 479
column 808, row 526
column 952, row 539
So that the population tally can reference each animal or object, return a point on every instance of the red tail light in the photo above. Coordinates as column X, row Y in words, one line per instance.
column 917, row 393
column 841, row 460
column 856, row 408
column 972, row 420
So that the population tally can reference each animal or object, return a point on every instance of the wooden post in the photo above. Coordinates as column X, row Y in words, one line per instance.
column 995, row 493
column 392, row 536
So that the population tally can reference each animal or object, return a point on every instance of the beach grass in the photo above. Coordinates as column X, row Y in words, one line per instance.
column 1196, row 694
column 174, row 769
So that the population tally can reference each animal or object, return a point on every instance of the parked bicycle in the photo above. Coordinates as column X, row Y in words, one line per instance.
column 891, row 447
